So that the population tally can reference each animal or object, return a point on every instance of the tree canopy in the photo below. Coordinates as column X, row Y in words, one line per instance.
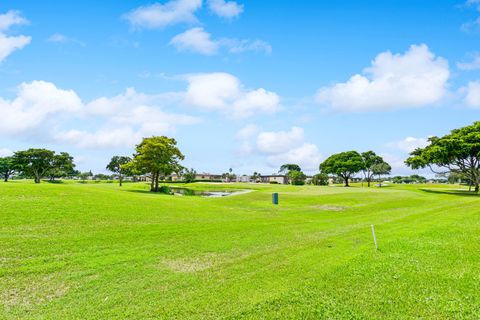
column 6, row 167
column 62, row 165
column 40, row 163
column 380, row 169
column 370, row 159
column 457, row 152
column 285, row 168
column 296, row 178
column 158, row 156
column 343, row 164
column 320, row 179
column 189, row 175
column 414, row 178
column 118, row 166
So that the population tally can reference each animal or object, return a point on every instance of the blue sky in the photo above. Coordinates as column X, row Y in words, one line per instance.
column 242, row 84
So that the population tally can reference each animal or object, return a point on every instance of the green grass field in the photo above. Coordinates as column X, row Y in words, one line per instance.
column 97, row 251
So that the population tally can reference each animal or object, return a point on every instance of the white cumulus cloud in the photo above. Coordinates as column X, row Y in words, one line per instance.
column 409, row 144
column 195, row 40
column 416, row 78
column 35, row 103
column 9, row 44
column 61, row 38
column 274, row 142
column 103, row 122
column 102, row 138
column 244, row 45
column 157, row 15
column 44, row 112
column 472, row 25
column 472, row 65
column 472, row 94
column 225, row 9
column 127, row 118
column 282, row 147
column 225, row 93
column 198, row 40
column 307, row 156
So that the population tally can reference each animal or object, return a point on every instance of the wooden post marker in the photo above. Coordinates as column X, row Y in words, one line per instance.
column 374, row 238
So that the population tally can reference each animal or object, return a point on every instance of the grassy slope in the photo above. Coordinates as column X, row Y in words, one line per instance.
column 98, row 251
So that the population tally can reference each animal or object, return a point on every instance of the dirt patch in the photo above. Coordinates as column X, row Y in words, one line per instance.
column 191, row 265
column 328, row 207
column 203, row 262
column 36, row 292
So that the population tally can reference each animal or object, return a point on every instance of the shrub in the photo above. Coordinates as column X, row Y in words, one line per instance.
column 320, row 179
column 165, row 190
column 296, row 178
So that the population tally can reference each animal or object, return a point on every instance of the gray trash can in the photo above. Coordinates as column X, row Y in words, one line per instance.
column 275, row 198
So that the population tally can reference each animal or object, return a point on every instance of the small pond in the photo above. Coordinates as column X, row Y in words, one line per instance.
column 204, row 193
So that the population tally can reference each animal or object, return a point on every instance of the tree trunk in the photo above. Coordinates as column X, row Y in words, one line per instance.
column 120, row 178
column 152, row 183
column 368, row 182
column 346, row 182
column 37, row 179
column 476, row 187
column 5, row 177
column 157, row 177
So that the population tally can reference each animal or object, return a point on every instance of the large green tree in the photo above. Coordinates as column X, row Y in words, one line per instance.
column 158, row 156
column 343, row 164
column 256, row 176
column 118, row 165
column 189, row 175
column 85, row 175
column 62, row 165
column 34, row 163
column 381, row 169
column 457, row 152
column 41, row 163
column 370, row 159
column 229, row 176
column 320, row 179
column 6, row 167
column 296, row 178
column 285, row 168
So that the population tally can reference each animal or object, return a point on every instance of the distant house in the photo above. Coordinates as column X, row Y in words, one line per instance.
column 275, row 178
column 144, row 178
column 244, row 178
column 208, row 176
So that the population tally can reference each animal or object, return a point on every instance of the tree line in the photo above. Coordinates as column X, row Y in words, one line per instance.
column 344, row 165
column 37, row 164
column 456, row 154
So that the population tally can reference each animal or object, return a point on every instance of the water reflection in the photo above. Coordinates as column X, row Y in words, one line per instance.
column 203, row 193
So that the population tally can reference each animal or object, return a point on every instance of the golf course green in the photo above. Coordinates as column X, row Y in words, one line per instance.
column 96, row 250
